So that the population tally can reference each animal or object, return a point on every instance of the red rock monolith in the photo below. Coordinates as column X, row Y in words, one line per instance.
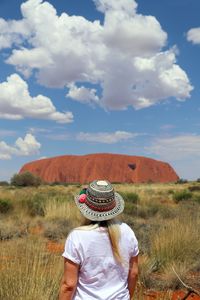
column 116, row 168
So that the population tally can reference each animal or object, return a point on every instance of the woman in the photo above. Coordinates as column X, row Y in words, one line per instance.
column 100, row 258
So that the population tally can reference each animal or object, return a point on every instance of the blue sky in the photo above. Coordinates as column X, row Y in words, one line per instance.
column 81, row 77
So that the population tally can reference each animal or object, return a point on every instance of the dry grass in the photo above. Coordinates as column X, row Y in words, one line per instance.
column 168, row 235
column 28, row 271
column 177, row 241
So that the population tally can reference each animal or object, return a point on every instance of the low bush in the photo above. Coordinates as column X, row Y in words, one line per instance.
column 57, row 229
column 130, row 196
column 194, row 188
column 4, row 183
column 196, row 198
column 130, row 209
column 167, row 212
column 170, row 192
column 142, row 212
column 5, row 206
column 146, row 212
column 36, row 205
column 26, row 179
column 55, row 183
column 181, row 181
column 182, row 195
column 10, row 230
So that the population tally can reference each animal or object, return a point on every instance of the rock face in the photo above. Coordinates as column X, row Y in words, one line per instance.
column 113, row 167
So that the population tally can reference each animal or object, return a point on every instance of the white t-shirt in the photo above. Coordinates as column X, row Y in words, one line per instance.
column 100, row 276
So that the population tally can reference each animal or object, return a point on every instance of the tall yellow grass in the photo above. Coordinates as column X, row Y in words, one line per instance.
column 28, row 271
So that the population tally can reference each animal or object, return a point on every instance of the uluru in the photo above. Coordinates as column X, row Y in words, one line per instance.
column 116, row 168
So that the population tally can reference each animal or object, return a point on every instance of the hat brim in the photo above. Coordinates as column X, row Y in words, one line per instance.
column 101, row 216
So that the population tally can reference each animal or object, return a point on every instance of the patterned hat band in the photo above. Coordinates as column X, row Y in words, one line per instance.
column 101, row 207
column 99, row 199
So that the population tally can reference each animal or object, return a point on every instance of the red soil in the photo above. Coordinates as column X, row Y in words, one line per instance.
column 177, row 295
column 38, row 229
column 113, row 167
column 180, row 294
column 54, row 247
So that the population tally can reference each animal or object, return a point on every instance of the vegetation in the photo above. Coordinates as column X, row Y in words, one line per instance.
column 182, row 181
column 5, row 206
column 182, row 195
column 4, row 183
column 130, row 196
column 26, row 179
column 35, row 221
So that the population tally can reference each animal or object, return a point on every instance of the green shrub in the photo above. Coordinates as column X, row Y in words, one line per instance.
column 130, row 209
column 153, row 209
column 55, row 183
column 193, row 188
column 196, row 198
column 58, row 229
column 183, row 195
column 167, row 212
column 142, row 212
column 26, row 179
column 170, row 192
column 181, row 181
column 146, row 212
column 198, row 179
column 4, row 183
column 130, row 196
column 36, row 205
column 5, row 206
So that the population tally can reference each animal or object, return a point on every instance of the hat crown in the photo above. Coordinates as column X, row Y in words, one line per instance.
column 101, row 190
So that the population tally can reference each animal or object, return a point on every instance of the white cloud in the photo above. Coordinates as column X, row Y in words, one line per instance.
column 106, row 137
column 193, row 35
column 123, row 56
column 22, row 147
column 13, row 32
column 82, row 94
column 7, row 132
column 176, row 148
column 16, row 103
column 27, row 146
column 128, row 6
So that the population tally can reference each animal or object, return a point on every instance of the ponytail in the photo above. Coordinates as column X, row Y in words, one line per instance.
column 114, row 236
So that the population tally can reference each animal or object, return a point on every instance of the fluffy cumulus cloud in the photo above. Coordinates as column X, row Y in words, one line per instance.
column 193, row 35
column 16, row 103
column 106, row 137
column 124, row 56
column 82, row 94
column 23, row 147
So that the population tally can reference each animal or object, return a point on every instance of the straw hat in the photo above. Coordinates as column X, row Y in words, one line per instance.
column 99, row 202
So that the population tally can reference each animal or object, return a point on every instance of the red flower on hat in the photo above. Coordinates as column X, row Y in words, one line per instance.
column 82, row 198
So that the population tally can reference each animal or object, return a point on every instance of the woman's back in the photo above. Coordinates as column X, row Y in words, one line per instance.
column 100, row 276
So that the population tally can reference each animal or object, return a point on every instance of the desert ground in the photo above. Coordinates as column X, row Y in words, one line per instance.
column 34, row 223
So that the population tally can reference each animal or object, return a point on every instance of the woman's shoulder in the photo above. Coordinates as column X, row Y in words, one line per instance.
column 125, row 228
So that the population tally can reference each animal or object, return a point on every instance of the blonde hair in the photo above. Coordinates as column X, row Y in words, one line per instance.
column 113, row 232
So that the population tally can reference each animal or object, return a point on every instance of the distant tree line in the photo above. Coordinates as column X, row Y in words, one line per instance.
column 29, row 179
